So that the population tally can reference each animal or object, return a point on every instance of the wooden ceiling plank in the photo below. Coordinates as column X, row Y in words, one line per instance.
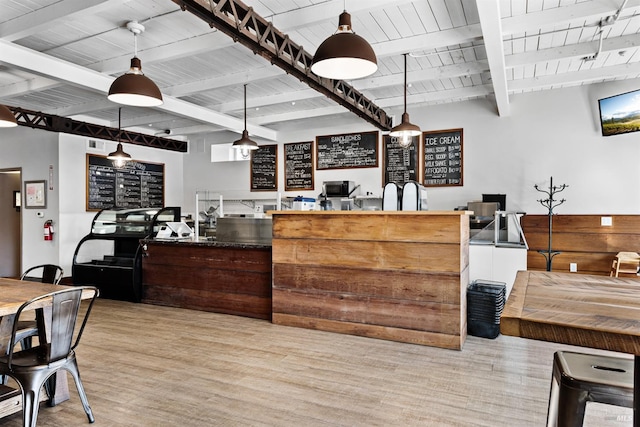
column 39, row 19
column 80, row 76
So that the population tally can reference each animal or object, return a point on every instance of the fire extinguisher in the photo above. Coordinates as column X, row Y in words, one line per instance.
column 48, row 230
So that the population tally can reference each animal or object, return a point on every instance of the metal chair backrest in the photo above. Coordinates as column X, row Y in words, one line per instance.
column 64, row 305
column 51, row 273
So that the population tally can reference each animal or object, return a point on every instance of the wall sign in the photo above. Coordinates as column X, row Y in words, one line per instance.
column 264, row 168
column 353, row 150
column 443, row 158
column 298, row 166
column 35, row 194
column 136, row 185
column 400, row 164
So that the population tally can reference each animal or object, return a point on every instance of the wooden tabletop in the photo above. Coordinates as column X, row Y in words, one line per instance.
column 588, row 311
column 13, row 293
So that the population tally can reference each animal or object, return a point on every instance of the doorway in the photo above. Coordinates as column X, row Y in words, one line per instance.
column 10, row 222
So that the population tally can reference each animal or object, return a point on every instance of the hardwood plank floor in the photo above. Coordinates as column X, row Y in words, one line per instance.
column 145, row 365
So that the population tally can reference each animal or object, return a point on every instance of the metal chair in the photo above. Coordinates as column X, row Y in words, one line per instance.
column 32, row 367
column 48, row 273
column 579, row 378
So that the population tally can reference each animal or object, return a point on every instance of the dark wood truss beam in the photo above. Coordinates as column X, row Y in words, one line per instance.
column 241, row 23
column 50, row 122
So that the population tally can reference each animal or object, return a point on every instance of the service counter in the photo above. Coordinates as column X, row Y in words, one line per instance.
column 222, row 277
column 399, row 276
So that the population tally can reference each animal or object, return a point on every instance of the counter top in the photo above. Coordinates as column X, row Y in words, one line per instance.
column 356, row 212
column 211, row 243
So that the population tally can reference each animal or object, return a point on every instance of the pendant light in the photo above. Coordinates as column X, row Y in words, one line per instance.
column 133, row 87
column 7, row 119
column 119, row 157
column 245, row 144
column 406, row 130
column 344, row 55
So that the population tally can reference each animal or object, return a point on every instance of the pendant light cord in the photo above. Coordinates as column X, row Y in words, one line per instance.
column 405, row 82
column 119, row 126
column 245, row 106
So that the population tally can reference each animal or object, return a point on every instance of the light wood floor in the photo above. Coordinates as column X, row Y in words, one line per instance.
column 147, row 365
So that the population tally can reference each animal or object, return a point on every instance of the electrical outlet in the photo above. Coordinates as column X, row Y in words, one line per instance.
column 573, row 267
column 606, row 221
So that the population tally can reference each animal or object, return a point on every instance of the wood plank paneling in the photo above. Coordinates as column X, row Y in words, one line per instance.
column 581, row 239
column 367, row 310
column 373, row 255
column 407, row 285
column 400, row 276
column 218, row 278
column 407, row 228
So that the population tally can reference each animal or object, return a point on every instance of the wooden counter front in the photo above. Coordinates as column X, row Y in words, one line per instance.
column 399, row 276
column 230, row 278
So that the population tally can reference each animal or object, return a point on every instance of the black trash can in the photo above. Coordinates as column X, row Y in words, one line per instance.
column 485, row 302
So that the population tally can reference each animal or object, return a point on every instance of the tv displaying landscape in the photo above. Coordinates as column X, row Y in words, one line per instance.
column 620, row 113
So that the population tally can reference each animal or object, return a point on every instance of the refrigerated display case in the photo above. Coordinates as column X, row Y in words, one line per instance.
column 109, row 257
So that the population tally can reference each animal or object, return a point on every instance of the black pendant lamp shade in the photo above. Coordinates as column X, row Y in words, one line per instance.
column 119, row 157
column 406, row 130
column 245, row 143
column 7, row 119
column 133, row 87
column 344, row 55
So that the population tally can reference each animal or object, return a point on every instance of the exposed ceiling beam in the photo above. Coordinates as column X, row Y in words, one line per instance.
column 489, row 14
column 50, row 122
column 241, row 23
column 71, row 73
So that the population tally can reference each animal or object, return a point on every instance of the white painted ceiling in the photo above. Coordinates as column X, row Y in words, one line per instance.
column 60, row 57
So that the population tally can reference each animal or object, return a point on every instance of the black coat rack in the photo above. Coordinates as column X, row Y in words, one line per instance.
column 550, row 203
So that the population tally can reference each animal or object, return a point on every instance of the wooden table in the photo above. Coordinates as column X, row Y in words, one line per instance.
column 13, row 293
column 589, row 311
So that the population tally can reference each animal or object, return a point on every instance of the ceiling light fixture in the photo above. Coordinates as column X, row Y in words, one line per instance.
column 245, row 144
column 7, row 119
column 119, row 157
column 133, row 87
column 406, row 130
column 344, row 55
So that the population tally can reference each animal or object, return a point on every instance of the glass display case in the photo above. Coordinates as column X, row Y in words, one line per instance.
column 109, row 257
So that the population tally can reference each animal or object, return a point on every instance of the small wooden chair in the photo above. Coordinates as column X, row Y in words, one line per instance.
column 625, row 263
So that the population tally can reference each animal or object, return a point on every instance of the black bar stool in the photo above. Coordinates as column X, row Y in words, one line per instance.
column 579, row 378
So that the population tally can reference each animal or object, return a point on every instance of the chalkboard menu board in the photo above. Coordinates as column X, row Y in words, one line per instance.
column 136, row 185
column 298, row 166
column 264, row 168
column 443, row 158
column 353, row 150
column 400, row 164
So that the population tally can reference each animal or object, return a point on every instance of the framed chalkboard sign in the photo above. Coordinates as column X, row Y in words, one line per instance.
column 264, row 168
column 353, row 150
column 136, row 185
column 443, row 156
column 400, row 164
column 298, row 166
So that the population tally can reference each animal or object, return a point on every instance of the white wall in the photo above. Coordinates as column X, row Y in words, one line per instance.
column 33, row 150
column 550, row 133
column 74, row 221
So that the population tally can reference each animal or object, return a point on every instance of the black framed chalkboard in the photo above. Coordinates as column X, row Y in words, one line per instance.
column 443, row 154
column 352, row 150
column 264, row 168
column 298, row 166
column 136, row 185
column 400, row 164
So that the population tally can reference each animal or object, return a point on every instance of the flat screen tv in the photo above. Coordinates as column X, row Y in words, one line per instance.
column 620, row 113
